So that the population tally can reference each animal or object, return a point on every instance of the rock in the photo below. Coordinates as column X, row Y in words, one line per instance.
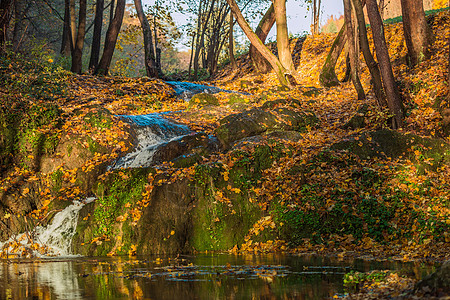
column 358, row 120
column 391, row 143
column 248, row 123
column 312, row 92
column 257, row 121
column 293, row 136
column 203, row 99
column 437, row 283
column 198, row 143
column 236, row 98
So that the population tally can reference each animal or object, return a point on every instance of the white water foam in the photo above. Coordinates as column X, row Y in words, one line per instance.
column 185, row 90
column 152, row 131
column 57, row 236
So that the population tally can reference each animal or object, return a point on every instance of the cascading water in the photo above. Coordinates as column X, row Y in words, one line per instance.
column 152, row 131
column 185, row 90
column 52, row 240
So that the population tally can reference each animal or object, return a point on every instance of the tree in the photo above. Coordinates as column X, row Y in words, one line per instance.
column 73, row 21
column 328, row 77
column 150, row 59
column 20, row 27
column 5, row 10
column 265, row 25
column 316, row 16
column 280, row 71
column 97, row 36
column 77, row 53
column 111, row 39
column 393, row 95
column 353, row 54
column 368, row 57
column 416, row 30
column 231, row 44
column 66, row 43
column 284, row 49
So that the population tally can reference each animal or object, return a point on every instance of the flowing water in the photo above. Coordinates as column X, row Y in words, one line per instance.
column 220, row 276
column 152, row 130
column 186, row 90
column 52, row 240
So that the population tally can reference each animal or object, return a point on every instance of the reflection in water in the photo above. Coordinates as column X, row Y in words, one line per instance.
column 274, row 276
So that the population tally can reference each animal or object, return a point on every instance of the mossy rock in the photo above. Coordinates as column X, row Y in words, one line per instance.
column 312, row 92
column 358, row 120
column 426, row 152
column 245, row 124
column 294, row 103
column 257, row 121
column 203, row 99
column 236, row 99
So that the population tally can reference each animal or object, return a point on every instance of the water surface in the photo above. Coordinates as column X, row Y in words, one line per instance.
column 223, row 276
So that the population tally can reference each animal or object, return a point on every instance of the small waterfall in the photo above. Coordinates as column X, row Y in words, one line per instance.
column 152, row 130
column 56, row 237
column 186, row 90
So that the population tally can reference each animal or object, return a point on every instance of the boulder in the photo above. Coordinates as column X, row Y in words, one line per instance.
column 425, row 151
column 437, row 283
column 358, row 120
column 199, row 143
column 203, row 99
column 257, row 121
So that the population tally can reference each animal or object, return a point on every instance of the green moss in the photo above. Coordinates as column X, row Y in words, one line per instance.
column 101, row 118
column 236, row 98
column 203, row 99
column 57, row 179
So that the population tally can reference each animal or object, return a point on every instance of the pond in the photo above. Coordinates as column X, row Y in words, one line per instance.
column 216, row 276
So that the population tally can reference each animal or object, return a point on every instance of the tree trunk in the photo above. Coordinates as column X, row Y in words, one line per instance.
column 368, row 57
column 5, row 10
column 316, row 16
column 150, row 59
column 97, row 35
column 327, row 77
column 352, row 51
column 280, row 71
column 77, row 55
column 66, row 45
column 284, row 49
column 19, row 23
column 416, row 30
column 231, row 45
column 192, row 55
column 393, row 96
column 155, row 33
column 265, row 25
column 200, row 44
column 73, row 22
column 111, row 39
column 111, row 11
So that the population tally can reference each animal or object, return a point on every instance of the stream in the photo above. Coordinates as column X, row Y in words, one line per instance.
column 64, row 275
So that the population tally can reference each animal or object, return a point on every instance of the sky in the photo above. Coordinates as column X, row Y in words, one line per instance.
column 299, row 18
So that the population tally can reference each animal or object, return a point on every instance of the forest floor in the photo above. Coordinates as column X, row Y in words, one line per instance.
column 419, row 220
